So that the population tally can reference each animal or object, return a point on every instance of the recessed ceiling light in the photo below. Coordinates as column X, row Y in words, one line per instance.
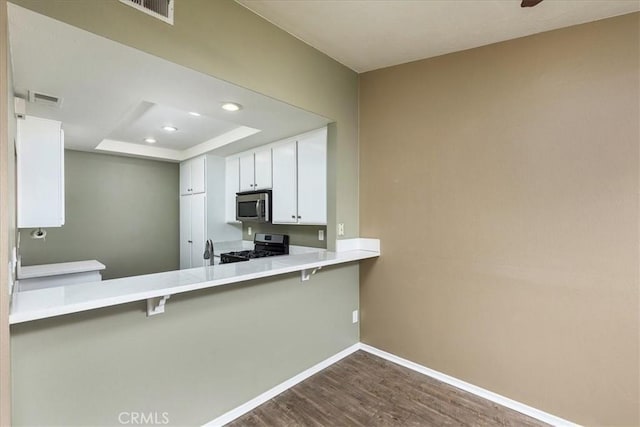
column 169, row 128
column 193, row 113
column 231, row 106
column 150, row 140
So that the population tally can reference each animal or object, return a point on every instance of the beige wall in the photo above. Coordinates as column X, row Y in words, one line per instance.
column 215, row 349
column 121, row 211
column 503, row 183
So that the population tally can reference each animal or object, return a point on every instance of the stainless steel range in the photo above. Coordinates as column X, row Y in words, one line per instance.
column 264, row 245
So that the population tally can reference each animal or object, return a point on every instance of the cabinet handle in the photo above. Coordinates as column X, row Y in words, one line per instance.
column 190, row 241
column 299, row 217
column 293, row 216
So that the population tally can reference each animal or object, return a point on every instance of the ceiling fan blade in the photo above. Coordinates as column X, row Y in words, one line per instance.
column 529, row 3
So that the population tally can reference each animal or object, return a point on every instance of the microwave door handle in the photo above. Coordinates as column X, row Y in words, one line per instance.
column 258, row 209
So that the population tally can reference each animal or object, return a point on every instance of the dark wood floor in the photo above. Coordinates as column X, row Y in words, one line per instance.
column 364, row 390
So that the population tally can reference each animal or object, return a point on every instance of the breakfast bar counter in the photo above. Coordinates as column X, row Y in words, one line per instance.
column 158, row 287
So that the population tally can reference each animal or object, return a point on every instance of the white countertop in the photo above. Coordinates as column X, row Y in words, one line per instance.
column 43, row 270
column 44, row 303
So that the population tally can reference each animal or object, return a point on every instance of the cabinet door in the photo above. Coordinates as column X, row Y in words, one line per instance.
column 284, row 203
column 198, row 174
column 185, row 232
column 40, row 173
column 198, row 228
column 247, row 178
column 185, row 177
column 232, row 186
column 312, row 178
column 262, row 169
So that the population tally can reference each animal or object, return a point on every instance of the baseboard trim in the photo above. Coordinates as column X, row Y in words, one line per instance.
column 478, row 391
column 237, row 412
column 227, row 417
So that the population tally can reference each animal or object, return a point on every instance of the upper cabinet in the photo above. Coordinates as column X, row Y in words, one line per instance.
column 193, row 176
column 300, row 180
column 255, row 170
column 312, row 178
column 232, row 186
column 295, row 169
column 285, row 177
column 40, row 173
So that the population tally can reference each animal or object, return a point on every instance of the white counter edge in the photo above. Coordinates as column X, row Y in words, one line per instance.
column 59, row 269
column 340, row 258
column 359, row 243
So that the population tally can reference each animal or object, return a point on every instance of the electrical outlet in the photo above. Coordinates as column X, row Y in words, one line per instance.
column 320, row 234
column 341, row 229
column 354, row 316
column 249, row 231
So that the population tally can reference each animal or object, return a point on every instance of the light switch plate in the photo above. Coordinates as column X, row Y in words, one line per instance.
column 354, row 316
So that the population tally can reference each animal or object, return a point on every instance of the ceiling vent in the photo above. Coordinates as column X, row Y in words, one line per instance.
column 43, row 98
column 161, row 9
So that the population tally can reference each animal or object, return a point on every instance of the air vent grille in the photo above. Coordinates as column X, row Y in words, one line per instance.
column 161, row 9
column 43, row 98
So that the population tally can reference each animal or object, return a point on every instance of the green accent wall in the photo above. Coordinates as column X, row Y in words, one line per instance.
column 210, row 351
column 121, row 211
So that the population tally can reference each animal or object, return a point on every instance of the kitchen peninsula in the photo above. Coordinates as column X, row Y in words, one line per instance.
column 157, row 288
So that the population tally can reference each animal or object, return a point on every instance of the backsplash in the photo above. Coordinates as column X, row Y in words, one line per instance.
column 299, row 235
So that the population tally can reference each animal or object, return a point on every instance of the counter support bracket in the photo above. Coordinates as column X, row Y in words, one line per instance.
column 156, row 305
column 305, row 275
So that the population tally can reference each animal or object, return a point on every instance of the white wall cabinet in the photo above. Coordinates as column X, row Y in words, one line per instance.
column 285, row 183
column 255, row 170
column 247, row 172
column 263, row 169
column 40, row 173
column 202, row 210
column 312, row 178
column 300, row 180
column 193, row 176
column 232, row 186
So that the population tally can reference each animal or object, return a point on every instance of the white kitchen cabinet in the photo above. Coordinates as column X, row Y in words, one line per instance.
column 285, row 201
column 203, row 211
column 255, row 170
column 300, row 180
column 232, row 186
column 247, row 171
column 193, row 230
column 193, row 175
column 40, row 173
column 312, row 178
column 263, row 168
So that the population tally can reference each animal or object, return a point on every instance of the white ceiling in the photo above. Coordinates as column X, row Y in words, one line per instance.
column 147, row 120
column 114, row 96
column 366, row 35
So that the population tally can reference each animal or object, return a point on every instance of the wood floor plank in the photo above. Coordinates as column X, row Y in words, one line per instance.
column 365, row 390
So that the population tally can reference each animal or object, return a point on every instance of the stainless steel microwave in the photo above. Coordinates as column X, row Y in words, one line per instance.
column 253, row 206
